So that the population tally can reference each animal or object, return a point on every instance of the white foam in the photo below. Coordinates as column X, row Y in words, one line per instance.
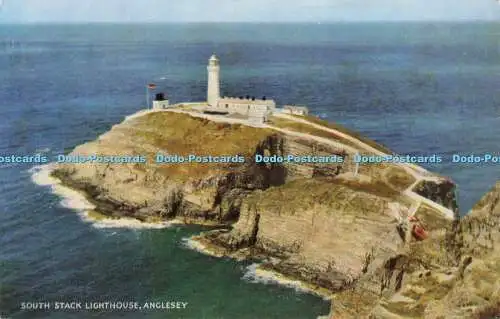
column 125, row 223
column 199, row 247
column 42, row 150
column 8, row 165
column 76, row 201
column 70, row 198
column 255, row 274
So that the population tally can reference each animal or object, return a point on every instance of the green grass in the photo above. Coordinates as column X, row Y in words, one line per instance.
column 345, row 130
column 183, row 134
column 391, row 175
column 307, row 129
column 398, row 178
column 377, row 187
column 302, row 194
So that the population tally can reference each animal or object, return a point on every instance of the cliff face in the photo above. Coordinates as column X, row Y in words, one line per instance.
column 210, row 191
column 311, row 221
column 442, row 193
column 453, row 274
column 325, row 237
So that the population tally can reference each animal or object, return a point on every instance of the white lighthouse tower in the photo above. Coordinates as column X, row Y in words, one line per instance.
column 213, row 90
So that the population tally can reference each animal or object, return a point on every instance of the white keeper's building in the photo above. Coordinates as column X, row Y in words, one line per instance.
column 257, row 110
column 254, row 109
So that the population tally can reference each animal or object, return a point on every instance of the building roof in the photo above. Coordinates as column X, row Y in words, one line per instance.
column 214, row 60
column 237, row 100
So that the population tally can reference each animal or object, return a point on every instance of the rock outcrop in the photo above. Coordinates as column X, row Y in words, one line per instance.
column 455, row 273
column 326, row 236
column 203, row 191
column 311, row 221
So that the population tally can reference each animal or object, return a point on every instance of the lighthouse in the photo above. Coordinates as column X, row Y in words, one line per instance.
column 213, row 90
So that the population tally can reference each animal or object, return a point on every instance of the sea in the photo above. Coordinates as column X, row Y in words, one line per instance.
column 418, row 88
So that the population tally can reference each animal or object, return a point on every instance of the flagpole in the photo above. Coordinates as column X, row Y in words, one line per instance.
column 147, row 96
column 356, row 170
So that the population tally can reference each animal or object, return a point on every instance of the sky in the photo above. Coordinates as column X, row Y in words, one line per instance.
column 47, row 11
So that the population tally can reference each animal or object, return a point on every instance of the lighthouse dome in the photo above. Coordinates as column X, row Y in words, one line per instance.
column 214, row 60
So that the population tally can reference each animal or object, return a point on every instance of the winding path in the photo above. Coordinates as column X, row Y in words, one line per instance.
column 419, row 173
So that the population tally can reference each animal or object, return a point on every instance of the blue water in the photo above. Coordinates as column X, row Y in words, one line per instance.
column 417, row 88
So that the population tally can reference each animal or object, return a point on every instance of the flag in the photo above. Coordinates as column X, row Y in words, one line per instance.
column 151, row 86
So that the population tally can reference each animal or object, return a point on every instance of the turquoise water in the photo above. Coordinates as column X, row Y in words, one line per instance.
column 417, row 88
column 57, row 255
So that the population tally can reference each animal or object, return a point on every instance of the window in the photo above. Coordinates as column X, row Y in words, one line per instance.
column 227, row 105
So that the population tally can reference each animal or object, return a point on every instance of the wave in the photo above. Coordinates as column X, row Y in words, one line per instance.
column 125, row 223
column 199, row 247
column 70, row 198
column 77, row 201
column 9, row 165
column 255, row 274
column 42, row 150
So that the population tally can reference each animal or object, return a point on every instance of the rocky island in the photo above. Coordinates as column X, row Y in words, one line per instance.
column 383, row 239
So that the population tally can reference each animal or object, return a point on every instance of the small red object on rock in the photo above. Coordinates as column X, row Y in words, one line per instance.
column 419, row 232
